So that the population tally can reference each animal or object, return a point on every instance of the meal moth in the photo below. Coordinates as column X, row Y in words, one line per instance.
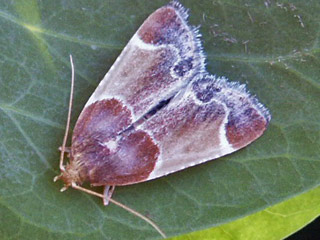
column 158, row 111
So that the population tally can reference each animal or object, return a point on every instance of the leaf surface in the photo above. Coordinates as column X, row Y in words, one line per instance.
column 273, row 47
column 273, row 223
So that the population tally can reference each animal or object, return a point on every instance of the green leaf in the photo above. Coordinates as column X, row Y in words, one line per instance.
column 276, row 222
column 273, row 47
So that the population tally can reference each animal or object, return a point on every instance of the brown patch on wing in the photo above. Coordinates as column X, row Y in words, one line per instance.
column 101, row 155
column 106, row 117
column 244, row 128
column 131, row 162
column 159, row 25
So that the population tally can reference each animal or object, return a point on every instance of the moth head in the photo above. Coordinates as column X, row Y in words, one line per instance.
column 69, row 175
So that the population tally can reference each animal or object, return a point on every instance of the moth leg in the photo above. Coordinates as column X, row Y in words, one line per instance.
column 107, row 193
column 134, row 212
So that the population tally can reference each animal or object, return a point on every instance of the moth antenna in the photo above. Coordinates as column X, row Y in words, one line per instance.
column 155, row 226
column 65, row 138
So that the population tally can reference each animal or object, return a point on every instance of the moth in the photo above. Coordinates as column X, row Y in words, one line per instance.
column 158, row 111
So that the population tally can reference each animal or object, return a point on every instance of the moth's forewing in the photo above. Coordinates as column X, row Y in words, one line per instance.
column 161, row 58
column 210, row 119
